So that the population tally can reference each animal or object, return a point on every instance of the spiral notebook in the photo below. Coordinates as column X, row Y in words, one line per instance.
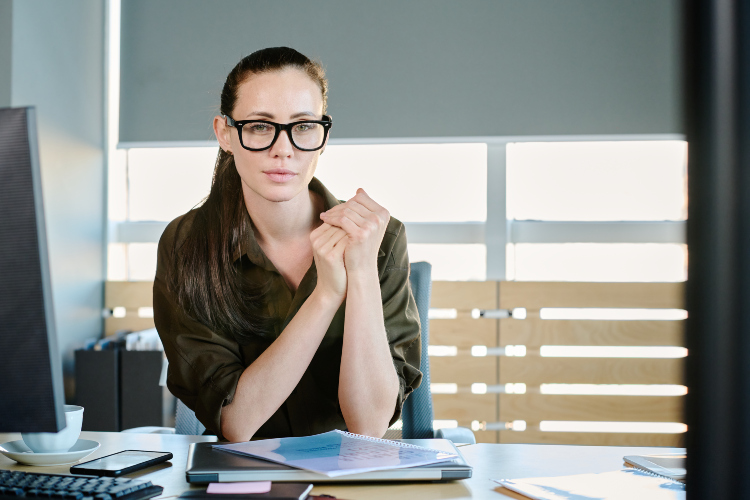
column 625, row 484
column 671, row 465
column 337, row 453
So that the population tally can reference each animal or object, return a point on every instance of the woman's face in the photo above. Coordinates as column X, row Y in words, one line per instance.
column 281, row 172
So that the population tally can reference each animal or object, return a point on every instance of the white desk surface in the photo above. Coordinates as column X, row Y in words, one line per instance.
column 490, row 461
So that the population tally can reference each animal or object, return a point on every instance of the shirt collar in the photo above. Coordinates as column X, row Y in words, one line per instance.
column 249, row 245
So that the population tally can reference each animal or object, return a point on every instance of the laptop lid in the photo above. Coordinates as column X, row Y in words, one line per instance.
column 208, row 465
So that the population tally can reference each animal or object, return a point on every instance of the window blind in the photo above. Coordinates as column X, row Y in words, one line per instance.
column 422, row 68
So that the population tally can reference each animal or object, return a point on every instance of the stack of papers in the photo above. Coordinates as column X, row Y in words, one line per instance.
column 337, row 453
column 626, row 484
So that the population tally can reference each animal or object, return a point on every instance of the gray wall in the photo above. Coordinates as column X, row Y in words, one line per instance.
column 420, row 68
column 58, row 66
column 6, row 30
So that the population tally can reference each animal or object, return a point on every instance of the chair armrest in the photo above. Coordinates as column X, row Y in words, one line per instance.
column 457, row 435
column 150, row 430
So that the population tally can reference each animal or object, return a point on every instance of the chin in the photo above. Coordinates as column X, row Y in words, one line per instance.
column 280, row 193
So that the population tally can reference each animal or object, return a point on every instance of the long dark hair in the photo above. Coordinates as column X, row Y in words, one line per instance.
column 208, row 284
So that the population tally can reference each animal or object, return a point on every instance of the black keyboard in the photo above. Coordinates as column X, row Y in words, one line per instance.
column 14, row 484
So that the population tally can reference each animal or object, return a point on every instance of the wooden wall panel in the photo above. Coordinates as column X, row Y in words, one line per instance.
column 534, row 295
column 532, row 369
column 463, row 332
column 533, row 332
column 128, row 294
column 535, row 370
column 487, row 436
column 464, row 295
column 593, row 438
column 131, row 295
column 465, row 407
column 463, row 370
column 538, row 407
column 130, row 322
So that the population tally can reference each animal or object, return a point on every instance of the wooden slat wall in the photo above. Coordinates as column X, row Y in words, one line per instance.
column 534, row 370
column 465, row 369
column 131, row 295
column 534, row 295
column 592, row 332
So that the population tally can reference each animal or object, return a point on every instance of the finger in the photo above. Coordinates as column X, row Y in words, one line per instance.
column 350, row 207
column 347, row 213
column 328, row 245
column 378, row 217
column 318, row 232
column 321, row 238
column 338, row 250
column 315, row 233
column 363, row 198
column 354, row 231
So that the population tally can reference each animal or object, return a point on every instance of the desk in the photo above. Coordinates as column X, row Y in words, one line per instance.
column 489, row 461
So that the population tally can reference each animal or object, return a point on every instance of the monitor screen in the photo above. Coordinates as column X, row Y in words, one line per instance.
column 31, row 388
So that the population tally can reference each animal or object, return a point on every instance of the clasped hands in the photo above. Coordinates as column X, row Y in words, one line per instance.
column 346, row 245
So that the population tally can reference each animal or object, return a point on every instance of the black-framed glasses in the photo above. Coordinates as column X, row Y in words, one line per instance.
column 259, row 135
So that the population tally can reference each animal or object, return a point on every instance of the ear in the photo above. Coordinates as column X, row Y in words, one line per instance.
column 223, row 133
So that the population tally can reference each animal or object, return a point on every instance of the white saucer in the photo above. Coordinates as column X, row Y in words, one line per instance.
column 18, row 451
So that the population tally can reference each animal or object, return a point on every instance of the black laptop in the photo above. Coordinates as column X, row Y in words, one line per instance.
column 208, row 465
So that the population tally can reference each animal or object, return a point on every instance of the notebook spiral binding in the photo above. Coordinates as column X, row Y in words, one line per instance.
column 397, row 444
column 654, row 474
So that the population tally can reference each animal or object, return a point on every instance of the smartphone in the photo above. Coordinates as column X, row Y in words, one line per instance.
column 123, row 462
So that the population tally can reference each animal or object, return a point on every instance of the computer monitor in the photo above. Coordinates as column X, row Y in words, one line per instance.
column 31, row 387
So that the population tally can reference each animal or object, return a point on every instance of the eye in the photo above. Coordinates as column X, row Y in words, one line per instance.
column 305, row 127
column 259, row 128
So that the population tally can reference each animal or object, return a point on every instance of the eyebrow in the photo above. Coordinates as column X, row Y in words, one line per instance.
column 268, row 115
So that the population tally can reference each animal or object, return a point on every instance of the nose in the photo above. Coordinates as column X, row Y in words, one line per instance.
column 283, row 146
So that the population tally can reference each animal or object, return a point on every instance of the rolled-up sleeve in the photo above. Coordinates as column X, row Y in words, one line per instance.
column 204, row 366
column 401, row 319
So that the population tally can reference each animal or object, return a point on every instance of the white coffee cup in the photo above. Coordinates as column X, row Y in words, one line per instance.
column 57, row 442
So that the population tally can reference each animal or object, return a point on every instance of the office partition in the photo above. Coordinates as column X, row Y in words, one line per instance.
column 717, row 55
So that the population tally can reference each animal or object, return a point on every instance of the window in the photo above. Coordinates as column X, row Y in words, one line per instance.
column 597, row 181
column 432, row 185
column 598, row 262
column 576, row 211
column 597, row 211
column 416, row 182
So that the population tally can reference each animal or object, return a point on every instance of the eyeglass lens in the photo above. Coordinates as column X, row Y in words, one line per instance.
column 305, row 135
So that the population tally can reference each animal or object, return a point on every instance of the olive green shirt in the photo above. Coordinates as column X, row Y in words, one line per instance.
column 205, row 365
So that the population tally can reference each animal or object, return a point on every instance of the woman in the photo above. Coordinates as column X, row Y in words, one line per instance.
column 283, row 311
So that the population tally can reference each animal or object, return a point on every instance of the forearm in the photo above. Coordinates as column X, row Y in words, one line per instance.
column 368, row 384
column 269, row 380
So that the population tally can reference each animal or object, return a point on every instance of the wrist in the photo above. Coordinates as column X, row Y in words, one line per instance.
column 325, row 300
column 362, row 277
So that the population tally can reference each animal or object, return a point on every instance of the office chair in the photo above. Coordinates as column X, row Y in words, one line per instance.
column 417, row 413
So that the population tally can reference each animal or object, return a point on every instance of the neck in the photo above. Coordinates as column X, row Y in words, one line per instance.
column 285, row 220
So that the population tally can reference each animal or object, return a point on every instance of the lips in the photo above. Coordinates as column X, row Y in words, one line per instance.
column 279, row 174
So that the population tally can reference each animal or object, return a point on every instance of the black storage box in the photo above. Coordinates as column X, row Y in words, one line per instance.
column 119, row 389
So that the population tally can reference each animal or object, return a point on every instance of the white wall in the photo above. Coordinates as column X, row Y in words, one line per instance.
column 58, row 67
